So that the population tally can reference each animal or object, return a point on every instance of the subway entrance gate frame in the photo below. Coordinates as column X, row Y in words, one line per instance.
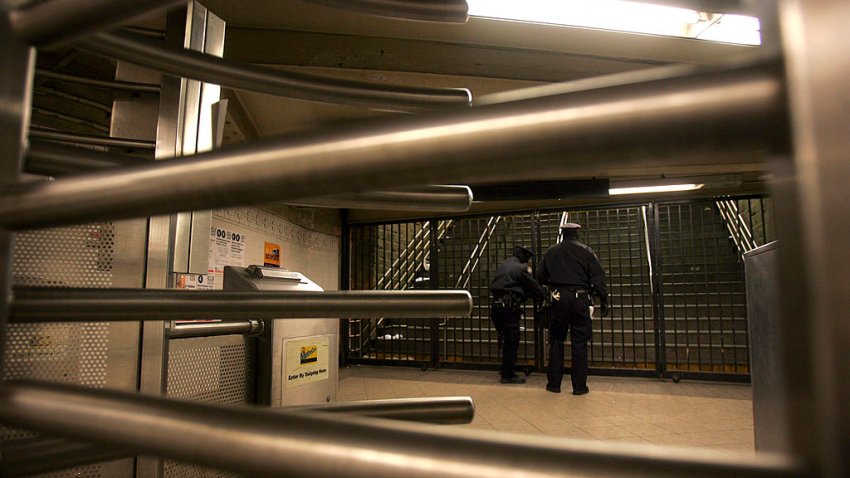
column 802, row 92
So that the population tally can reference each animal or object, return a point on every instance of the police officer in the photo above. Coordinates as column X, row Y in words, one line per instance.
column 574, row 275
column 510, row 287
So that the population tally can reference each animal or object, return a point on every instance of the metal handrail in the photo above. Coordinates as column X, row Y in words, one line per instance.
column 208, row 329
column 400, row 278
column 737, row 227
column 629, row 125
column 261, row 443
column 474, row 257
column 154, row 54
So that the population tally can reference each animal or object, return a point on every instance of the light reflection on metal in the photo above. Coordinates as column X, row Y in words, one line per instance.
column 197, row 66
column 31, row 304
column 728, row 116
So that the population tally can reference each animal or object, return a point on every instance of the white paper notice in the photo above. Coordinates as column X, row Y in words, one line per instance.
column 227, row 248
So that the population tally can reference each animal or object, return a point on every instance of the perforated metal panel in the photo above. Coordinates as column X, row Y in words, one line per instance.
column 78, row 256
column 211, row 370
column 77, row 353
column 183, row 470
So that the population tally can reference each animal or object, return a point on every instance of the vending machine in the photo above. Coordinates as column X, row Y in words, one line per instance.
column 296, row 359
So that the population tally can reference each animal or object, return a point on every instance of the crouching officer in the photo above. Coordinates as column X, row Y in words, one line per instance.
column 512, row 284
column 574, row 275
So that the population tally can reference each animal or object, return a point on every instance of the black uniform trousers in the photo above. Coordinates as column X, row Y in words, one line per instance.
column 570, row 314
column 506, row 320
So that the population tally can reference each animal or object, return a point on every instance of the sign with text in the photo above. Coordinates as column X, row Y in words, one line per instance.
column 306, row 360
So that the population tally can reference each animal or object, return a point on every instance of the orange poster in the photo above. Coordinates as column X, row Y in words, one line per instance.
column 271, row 257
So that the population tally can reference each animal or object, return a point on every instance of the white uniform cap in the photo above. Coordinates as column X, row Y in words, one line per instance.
column 570, row 225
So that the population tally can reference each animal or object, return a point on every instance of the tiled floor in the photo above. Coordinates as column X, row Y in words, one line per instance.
column 687, row 414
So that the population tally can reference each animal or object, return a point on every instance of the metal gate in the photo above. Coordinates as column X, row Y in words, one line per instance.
column 673, row 270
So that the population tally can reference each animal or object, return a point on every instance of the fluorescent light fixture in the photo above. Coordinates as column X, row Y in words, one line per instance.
column 622, row 15
column 666, row 188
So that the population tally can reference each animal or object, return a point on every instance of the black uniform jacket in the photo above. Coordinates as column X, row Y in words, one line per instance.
column 513, row 276
column 573, row 264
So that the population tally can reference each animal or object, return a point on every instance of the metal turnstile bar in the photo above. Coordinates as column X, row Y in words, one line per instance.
column 198, row 66
column 70, row 305
column 35, row 456
column 123, row 86
column 51, row 159
column 90, row 139
column 442, row 410
column 57, row 160
column 56, row 21
column 208, row 329
column 431, row 198
column 260, row 443
column 448, row 11
column 730, row 117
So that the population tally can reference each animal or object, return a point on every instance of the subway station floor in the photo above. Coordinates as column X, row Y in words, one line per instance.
column 688, row 414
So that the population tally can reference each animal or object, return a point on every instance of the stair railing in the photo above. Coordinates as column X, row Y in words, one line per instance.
column 400, row 278
column 477, row 252
column 736, row 225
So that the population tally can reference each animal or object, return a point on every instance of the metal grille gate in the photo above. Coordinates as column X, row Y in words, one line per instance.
column 673, row 271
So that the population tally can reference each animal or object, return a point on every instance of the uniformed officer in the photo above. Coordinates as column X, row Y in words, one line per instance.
column 574, row 276
column 510, row 287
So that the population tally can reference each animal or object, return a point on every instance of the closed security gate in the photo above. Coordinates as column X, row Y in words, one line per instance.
column 673, row 270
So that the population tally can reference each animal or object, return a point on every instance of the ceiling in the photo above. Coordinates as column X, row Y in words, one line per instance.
column 485, row 56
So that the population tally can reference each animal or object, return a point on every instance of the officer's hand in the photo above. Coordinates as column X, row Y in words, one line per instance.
column 605, row 309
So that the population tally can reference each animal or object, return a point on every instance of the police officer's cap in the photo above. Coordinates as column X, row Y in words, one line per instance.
column 570, row 225
column 521, row 251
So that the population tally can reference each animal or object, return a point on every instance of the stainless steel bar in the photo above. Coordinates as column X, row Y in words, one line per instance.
column 262, row 443
column 123, row 86
column 56, row 160
column 51, row 159
column 189, row 64
column 89, row 139
column 814, row 269
column 441, row 410
column 56, row 21
column 435, row 198
column 446, row 11
column 35, row 456
column 16, row 75
column 207, row 329
column 68, row 305
column 729, row 117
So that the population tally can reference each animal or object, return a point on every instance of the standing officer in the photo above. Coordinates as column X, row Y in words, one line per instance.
column 573, row 273
column 512, row 283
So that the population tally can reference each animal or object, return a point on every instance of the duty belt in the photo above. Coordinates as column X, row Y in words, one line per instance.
column 508, row 299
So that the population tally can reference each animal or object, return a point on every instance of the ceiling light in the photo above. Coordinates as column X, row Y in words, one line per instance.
column 666, row 188
column 621, row 15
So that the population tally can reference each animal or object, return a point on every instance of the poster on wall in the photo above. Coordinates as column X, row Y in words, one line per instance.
column 306, row 360
column 195, row 281
column 227, row 248
column 271, row 254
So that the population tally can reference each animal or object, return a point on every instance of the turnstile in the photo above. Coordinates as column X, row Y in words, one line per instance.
column 296, row 359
